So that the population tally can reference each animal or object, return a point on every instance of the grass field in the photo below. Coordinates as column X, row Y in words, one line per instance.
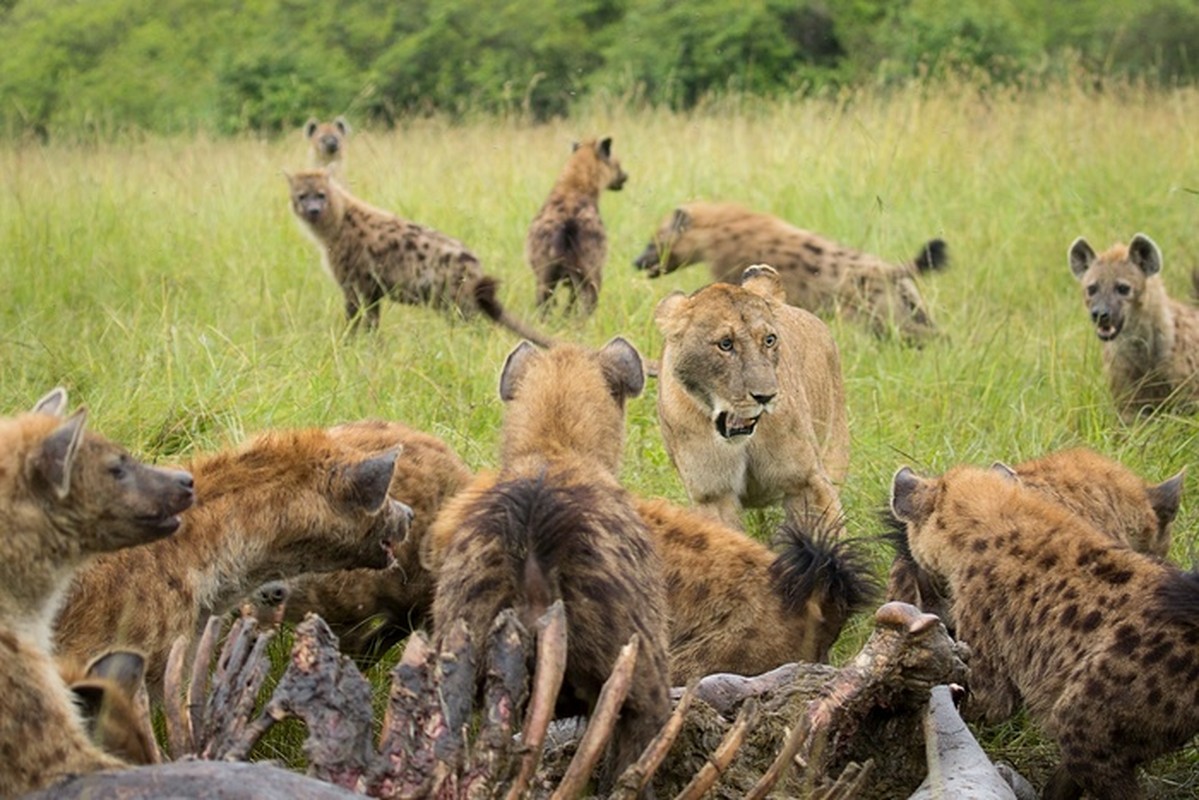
column 167, row 286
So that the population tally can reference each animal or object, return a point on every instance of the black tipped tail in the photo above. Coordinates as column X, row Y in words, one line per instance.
column 488, row 302
column 933, row 256
column 820, row 567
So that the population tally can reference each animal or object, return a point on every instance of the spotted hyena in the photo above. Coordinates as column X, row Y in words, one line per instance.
column 1099, row 642
column 372, row 255
column 567, row 241
column 554, row 523
column 818, row 274
column 1150, row 341
column 327, row 144
column 66, row 495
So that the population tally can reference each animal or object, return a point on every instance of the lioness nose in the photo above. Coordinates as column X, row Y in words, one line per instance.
column 764, row 399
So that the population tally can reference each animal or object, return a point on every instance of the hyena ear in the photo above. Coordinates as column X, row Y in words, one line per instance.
column 1165, row 498
column 365, row 484
column 680, row 220
column 342, row 126
column 672, row 314
column 1004, row 470
column 53, row 458
column 910, row 499
column 763, row 280
column 54, row 403
column 1145, row 253
column 1081, row 257
column 310, row 127
column 605, row 148
column 622, row 368
column 514, row 369
column 125, row 668
column 575, row 146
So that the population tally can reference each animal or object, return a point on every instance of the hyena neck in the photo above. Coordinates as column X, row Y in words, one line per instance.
column 1148, row 342
column 31, row 598
column 579, row 178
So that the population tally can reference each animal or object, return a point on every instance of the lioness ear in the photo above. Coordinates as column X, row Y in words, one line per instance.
column 1165, row 498
column 672, row 313
column 1004, row 470
column 911, row 500
column 310, row 127
column 341, row 125
column 1145, row 253
column 54, row 403
column 622, row 368
column 763, row 280
column 605, row 148
column 53, row 458
column 365, row 484
column 1081, row 257
column 514, row 369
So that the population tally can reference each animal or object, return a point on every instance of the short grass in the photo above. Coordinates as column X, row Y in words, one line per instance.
column 165, row 283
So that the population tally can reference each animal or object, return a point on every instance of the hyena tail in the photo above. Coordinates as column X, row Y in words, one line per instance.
column 565, row 243
column 820, row 576
column 489, row 303
column 538, row 523
column 933, row 256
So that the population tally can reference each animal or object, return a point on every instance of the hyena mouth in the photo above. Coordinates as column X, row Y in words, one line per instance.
column 728, row 425
column 1107, row 331
column 397, row 531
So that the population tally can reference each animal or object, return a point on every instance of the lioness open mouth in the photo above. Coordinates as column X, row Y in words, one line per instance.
column 728, row 425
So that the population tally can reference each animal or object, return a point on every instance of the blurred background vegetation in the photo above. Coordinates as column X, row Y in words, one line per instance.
column 111, row 67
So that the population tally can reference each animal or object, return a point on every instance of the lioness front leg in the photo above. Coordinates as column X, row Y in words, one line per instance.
column 816, row 505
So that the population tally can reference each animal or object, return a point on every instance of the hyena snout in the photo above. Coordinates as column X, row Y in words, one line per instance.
column 395, row 520
column 157, row 497
column 1107, row 320
column 330, row 144
column 648, row 260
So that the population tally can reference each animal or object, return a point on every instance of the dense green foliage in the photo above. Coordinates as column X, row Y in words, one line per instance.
column 106, row 66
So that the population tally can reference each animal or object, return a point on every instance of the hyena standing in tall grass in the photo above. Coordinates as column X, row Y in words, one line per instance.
column 556, row 524
column 327, row 145
column 567, row 241
column 66, row 495
column 1150, row 340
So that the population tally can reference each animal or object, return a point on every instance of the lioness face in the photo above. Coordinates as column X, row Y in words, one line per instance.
column 727, row 355
column 1113, row 284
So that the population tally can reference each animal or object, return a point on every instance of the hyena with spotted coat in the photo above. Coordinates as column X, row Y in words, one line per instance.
column 1099, row 642
column 66, row 495
column 373, row 254
column 567, row 241
column 554, row 523
column 327, row 145
column 1150, row 340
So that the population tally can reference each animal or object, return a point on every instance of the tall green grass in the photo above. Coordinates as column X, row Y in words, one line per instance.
column 165, row 283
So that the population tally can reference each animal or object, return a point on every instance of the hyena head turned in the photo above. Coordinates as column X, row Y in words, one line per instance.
column 569, row 399
column 314, row 198
column 671, row 246
column 90, row 489
column 1113, row 283
column 106, row 695
column 326, row 140
column 597, row 156
column 316, row 505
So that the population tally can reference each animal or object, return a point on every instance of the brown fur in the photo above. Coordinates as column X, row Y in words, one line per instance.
column 1150, row 340
column 65, row 495
column 1099, row 642
column 401, row 599
column 285, row 503
column 818, row 274
column 555, row 523
column 1098, row 490
column 567, row 241
column 327, row 145
column 737, row 606
column 111, row 693
column 780, row 376
column 372, row 254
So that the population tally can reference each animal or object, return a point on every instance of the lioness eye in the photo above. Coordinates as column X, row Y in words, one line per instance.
column 770, row 340
column 1123, row 289
column 726, row 344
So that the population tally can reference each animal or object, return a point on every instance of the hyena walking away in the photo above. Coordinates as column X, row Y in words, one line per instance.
column 65, row 495
column 1101, row 643
column 372, row 254
column 567, row 241
column 285, row 503
column 1150, row 341
column 556, row 524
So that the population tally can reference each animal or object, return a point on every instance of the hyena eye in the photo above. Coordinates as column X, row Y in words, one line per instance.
column 117, row 469
column 771, row 340
column 1123, row 289
column 1092, row 288
column 726, row 344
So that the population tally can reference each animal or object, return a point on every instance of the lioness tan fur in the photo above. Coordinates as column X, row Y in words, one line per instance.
column 554, row 523
column 372, row 254
column 66, row 495
column 751, row 401
column 1150, row 340
column 567, row 241
column 817, row 273
column 1100, row 643
column 282, row 504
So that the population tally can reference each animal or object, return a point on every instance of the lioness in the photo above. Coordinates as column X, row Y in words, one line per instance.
column 751, row 401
